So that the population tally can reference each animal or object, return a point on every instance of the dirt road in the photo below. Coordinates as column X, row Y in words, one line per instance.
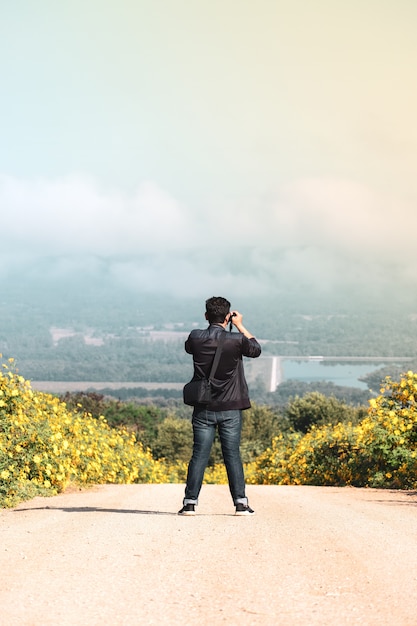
column 120, row 555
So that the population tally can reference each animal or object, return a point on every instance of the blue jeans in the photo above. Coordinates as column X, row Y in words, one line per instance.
column 229, row 425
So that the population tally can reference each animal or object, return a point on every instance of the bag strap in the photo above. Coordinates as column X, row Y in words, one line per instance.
column 217, row 356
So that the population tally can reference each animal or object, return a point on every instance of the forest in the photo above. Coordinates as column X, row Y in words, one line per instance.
column 89, row 335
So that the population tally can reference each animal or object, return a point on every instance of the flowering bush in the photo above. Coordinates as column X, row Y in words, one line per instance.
column 379, row 451
column 44, row 447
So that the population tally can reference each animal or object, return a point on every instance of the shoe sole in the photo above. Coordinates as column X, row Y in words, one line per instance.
column 244, row 513
column 187, row 513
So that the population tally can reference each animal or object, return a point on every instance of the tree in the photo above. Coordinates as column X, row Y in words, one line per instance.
column 144, row 419
column 315, row 408
column 174, row 440
column 260, row 424
column 90, row 402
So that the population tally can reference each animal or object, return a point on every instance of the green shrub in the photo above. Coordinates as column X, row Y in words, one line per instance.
column 379, row 451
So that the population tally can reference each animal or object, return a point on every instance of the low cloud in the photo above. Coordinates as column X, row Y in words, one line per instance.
column 75, row 216
column 312, row 232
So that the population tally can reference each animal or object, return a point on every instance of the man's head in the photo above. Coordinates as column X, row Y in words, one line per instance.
column 217, row 309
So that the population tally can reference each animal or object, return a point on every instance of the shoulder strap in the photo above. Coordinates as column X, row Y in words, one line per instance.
column 217, row 356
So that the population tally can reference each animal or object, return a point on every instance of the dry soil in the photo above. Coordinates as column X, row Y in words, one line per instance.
column 120, row 555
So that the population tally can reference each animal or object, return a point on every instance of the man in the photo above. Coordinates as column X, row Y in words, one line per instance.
column 230, row 397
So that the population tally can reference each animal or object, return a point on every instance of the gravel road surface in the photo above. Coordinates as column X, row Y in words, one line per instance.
column 120, row 555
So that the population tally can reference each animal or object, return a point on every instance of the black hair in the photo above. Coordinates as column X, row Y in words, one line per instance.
column 216, row 309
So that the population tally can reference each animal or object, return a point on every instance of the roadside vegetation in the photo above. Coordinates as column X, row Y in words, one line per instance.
column 48, row 443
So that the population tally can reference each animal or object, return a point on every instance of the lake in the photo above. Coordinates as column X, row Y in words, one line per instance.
column 346, row 374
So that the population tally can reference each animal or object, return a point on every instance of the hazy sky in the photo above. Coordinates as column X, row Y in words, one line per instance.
column 218, row 144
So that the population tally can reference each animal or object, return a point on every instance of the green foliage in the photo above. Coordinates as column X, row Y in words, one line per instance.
column 143, row 419
column 140, row 418
column 174, row 440
column 161, row 396
column 260, row 424
column 169, row 434
column 316, row 409
column 288, row 389
column 379, row 451
column 90, row 402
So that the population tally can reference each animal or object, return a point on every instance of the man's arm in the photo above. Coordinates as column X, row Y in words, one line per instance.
column 251, row 348
column 187, row 345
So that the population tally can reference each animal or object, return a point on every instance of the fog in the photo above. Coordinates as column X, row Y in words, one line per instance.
column 314, row 233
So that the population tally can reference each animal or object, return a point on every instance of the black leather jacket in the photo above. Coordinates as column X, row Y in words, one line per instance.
column 230, row 387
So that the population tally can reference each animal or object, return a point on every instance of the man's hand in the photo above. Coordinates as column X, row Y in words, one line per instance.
column 236, row 319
